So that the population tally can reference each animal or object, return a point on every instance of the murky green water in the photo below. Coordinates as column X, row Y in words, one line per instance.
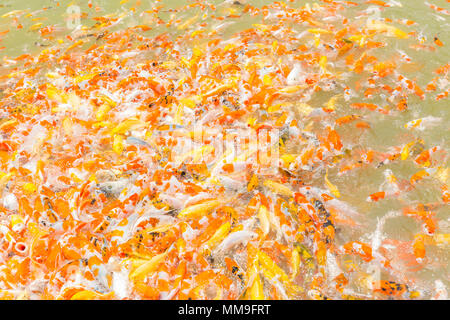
column 385, row 132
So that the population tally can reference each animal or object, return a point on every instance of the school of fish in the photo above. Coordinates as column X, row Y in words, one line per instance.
column 100, row 199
